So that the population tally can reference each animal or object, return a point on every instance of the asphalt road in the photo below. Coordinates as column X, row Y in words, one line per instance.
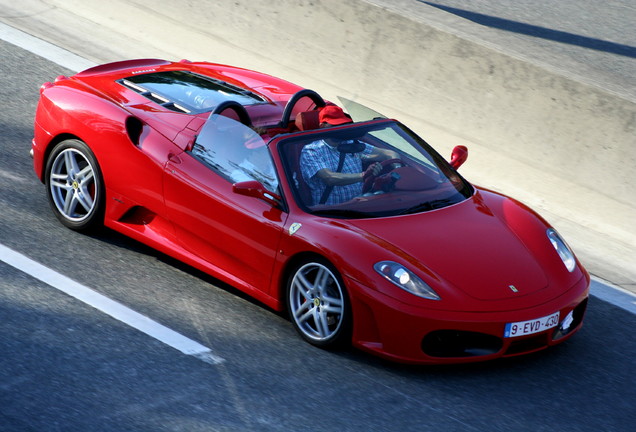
column 65, row 366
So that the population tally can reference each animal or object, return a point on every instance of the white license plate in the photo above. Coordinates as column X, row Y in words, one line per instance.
column 523, row 328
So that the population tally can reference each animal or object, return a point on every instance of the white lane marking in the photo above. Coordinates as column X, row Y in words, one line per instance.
column 613, row 294
column 44, row 49
column 108, row 306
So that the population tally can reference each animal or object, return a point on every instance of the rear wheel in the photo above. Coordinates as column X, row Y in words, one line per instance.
column 318, row 304
column 74, row 185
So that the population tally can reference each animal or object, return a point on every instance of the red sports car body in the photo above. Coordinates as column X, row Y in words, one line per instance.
column 221, row 168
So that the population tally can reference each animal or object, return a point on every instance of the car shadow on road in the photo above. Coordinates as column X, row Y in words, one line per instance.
column 540, row 32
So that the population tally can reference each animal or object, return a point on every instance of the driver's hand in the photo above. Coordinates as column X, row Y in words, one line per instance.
column 372, row 170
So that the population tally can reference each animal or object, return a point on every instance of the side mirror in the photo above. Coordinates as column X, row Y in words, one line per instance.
column 458, row 156
column 256, row 189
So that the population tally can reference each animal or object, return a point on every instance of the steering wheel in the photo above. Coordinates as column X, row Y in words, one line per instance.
column 384, row 175
column 387, row 165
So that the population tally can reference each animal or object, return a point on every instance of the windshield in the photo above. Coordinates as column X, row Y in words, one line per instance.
column 373, row 169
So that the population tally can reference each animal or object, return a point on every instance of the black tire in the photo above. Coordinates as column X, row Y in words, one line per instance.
column 318, row 304
column 75, row 186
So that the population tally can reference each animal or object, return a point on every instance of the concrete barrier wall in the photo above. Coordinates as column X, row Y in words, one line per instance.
column 400, row 61
column 396, row 60
column 570, row 129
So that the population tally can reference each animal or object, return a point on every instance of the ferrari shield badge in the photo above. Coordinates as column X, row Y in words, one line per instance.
column 294, row 227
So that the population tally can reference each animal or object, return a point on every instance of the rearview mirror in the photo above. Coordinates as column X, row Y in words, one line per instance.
column 458, row 156
column 256, row 189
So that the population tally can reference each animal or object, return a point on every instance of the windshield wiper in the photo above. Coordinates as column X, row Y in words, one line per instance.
column 429, row 205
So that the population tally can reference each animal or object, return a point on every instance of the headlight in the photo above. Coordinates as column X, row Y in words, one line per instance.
column 562, row 249
column 405, row 279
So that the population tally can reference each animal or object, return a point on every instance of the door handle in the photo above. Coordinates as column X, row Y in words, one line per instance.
column 174, row 158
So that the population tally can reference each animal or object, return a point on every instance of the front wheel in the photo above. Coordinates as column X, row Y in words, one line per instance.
column 318, row 304
column 74, row 185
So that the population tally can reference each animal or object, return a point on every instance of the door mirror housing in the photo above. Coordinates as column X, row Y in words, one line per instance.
column 253, row 188
column 458, row 156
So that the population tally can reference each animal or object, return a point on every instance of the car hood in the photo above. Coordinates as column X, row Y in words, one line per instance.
column 465, row 245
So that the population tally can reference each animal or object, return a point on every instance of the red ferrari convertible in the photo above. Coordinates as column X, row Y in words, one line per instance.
column 349, row 221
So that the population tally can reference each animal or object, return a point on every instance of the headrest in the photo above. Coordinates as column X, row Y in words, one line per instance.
column 307, row 120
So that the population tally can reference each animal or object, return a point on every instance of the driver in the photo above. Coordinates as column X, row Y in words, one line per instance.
column 332, row 177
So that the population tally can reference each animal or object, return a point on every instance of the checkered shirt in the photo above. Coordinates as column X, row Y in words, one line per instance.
column 318, row 155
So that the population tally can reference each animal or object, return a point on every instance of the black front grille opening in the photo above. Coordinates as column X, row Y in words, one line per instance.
column 577, row 318
column 527, row 345
column 456, row 343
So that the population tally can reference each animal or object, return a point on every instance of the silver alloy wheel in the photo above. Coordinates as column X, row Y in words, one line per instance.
column 72, row 185
column 316, row 302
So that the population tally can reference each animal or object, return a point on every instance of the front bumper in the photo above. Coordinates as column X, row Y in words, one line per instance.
column 403, row 333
